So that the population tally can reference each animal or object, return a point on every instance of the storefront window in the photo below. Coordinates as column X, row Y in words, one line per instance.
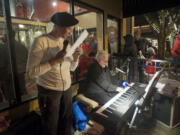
column 30, row 19
column 7, row 93
column 37, row 9
column 24, row 35
column 113, row 42
column 112, row 35
column 91, row 21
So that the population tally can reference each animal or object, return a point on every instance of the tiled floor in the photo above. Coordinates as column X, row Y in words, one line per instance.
column 146, row 125
column 154, row 128
column 149, row 126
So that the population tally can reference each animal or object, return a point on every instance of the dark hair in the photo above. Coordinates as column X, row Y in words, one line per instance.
column 128, row 39
column 92, row 54
column 129, row 47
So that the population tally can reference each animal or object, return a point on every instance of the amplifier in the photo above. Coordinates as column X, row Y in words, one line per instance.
column 167, row 110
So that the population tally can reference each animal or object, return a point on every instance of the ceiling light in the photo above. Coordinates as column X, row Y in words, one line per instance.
column 54, row 4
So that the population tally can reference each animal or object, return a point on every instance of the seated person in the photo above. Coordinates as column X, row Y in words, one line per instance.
column 150, row 69
column 99, row 86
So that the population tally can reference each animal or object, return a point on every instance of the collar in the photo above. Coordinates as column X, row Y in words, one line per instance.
column 57, row 39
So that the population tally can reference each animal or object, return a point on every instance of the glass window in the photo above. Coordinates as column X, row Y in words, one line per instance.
column 113, row 42
column 37, row 9
column 92, row 21
column 112, row 35
column 30, row 19
column 7, row 93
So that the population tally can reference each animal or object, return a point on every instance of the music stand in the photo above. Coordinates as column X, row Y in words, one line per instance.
column 140, row 103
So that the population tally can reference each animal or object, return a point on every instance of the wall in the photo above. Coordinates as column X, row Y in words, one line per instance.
column 112, row 7
column 87, row 20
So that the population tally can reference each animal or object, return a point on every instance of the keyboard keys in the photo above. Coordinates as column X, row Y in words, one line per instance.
column 121, row 105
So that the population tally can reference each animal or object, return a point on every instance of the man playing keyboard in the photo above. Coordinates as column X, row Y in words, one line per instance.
column 99, row 86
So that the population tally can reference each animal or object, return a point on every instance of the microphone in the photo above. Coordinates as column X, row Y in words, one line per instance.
column 119, row 70
column 65, row 44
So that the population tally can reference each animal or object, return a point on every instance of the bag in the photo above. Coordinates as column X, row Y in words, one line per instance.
column 80, row 119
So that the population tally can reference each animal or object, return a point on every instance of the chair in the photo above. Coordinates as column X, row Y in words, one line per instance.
column 87, row 101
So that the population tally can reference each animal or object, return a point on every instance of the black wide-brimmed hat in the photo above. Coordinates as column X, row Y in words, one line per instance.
column 64, row 19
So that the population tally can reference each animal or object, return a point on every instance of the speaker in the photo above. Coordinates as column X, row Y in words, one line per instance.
column 167, row 110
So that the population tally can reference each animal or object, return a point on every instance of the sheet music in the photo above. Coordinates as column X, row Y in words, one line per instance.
column 78, row 42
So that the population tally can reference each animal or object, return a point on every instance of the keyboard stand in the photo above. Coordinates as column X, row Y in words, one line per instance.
column 138, row 104
column 141, row 102
column 131, row 124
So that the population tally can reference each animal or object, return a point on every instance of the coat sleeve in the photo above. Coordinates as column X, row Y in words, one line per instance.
column 73, row 63
column 100, row 78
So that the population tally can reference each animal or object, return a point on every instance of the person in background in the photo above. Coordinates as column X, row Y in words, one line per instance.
column 176, row 53
column 141, row 51
column 84, row 63
column 5, row 71
column 21, row 54
column 89, row 46
column 99, row 86
column 151, row 53
column 130, row 52
column 51, row 69
column 150, row 65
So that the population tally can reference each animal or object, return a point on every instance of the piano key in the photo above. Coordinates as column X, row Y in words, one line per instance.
column 118, row 103
column 110, row 109
column 115, row 103
column 127, row 94
column 106, row 112
column 121, row 103
column 124, row 96
column 120, row 100
column 130, row 92
column 112, row 106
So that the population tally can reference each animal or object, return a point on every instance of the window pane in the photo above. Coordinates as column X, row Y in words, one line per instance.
column 40, row 10
column 112, row 25
column 112, row 35
column 92, row 21
column 30, row 19
column 7, row 93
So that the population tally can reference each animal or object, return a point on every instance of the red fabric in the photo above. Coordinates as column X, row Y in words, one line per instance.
column 83, row 65
column 176, row 47
column 87, row 48
column 150, row 67
column 19, row 11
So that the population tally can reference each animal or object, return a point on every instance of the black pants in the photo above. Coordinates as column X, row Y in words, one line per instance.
column 56, row 109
